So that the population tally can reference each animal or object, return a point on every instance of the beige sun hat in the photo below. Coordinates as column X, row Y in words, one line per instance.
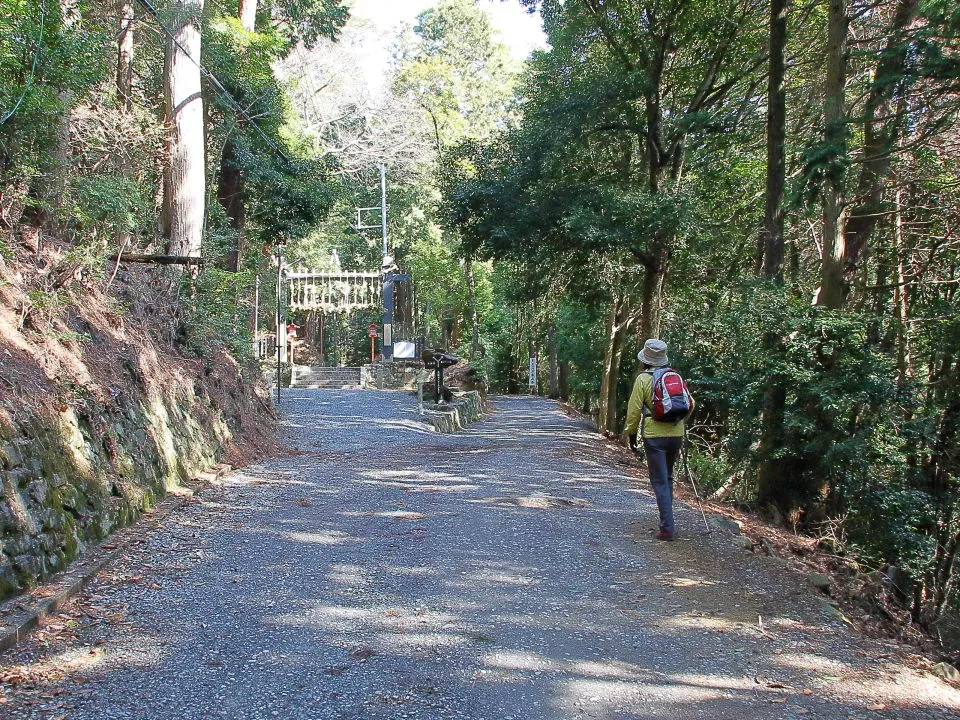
column 654, row 353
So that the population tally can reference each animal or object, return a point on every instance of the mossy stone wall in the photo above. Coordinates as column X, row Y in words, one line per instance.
column 72, row 475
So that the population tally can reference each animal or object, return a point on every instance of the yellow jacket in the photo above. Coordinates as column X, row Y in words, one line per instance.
column 641, row 396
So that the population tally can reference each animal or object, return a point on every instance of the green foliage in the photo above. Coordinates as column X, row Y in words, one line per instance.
column 46, row 303
column 286, row 190
column 307, row 21
column 46, row 74
column 108, row 204
column 891, row 524
column 459, row 73
column 849, row 423
column 580, row 330
column 216, row 309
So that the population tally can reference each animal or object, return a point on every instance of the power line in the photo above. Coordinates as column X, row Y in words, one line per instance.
column 33, row 67
column 218, row 86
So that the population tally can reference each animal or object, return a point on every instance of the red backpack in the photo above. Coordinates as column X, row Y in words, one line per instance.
column 672, row 400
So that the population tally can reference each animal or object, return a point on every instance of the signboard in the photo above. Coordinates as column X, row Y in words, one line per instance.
column 533, row 371
column 388, row 334
column 404, row 350
column 372, row 330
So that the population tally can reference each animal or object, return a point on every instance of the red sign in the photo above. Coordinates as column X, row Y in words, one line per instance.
column 372, row 330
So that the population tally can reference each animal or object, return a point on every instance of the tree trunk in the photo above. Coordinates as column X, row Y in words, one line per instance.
column 773, row 482
column 652, row 293
column 231, row 185
column 772, row 479
column 125, row 54
column 617, row 327
column 832, row 291
column 552, row 350
column 901, row 306
column 607, row 378
column 772, row 232
column 563, row 378
column 513, row 360
column 230, row 193
column 881, row 130
column 184, row 176
column 472, row 301
column 248, row 14
column 125, row 48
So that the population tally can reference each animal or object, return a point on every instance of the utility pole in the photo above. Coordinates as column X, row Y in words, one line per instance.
column 387, row 267
column 383, row 205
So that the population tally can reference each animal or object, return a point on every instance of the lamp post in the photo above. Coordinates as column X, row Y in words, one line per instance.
column 256, row 319
column 279, row 242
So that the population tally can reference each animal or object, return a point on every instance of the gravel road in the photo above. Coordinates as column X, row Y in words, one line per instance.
column 384, row 571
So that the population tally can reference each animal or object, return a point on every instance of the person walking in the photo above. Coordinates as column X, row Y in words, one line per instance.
column 662, row 440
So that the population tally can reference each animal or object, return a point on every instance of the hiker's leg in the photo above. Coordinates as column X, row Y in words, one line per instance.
column 659, row 471
column 672, row 448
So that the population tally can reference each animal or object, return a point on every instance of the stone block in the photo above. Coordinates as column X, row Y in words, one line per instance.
column 29, row 565
column 727, row 524
column 820, row 581
column 946, row 671
column 10, row 455
column 37, row 491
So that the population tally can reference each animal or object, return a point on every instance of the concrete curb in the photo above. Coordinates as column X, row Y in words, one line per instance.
column 464, row 410
column 24, row 613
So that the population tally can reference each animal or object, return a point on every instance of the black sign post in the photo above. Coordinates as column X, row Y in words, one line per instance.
column 437, row 361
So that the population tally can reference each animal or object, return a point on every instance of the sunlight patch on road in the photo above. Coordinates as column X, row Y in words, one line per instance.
column 610, row 692
column 814, row 663
column 391, row 514
column 387, row 620
column 716, row 682
column 405, row 642
column 501, row 578
column 518, row 660
column 699, row 622
column 322, row 537
column 350, row 575
column 418, row 480
column 610, row 669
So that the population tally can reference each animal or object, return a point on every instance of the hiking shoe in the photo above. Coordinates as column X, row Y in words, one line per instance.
column 664, row 535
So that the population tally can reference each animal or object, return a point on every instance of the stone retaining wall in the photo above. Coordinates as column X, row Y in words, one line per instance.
column 71, row 475
column 397, row 375
column 456, row 415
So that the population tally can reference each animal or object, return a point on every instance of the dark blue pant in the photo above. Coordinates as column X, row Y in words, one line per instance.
column 661, row 455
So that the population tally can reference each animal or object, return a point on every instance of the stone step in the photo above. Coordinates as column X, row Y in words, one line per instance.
column 311, row 377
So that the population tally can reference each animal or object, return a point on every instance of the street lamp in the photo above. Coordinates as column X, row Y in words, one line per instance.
column 279, row 242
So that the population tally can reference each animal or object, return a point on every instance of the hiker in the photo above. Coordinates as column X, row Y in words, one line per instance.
column 662, row 439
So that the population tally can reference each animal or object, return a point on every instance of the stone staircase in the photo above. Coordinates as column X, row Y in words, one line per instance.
column 327, row 377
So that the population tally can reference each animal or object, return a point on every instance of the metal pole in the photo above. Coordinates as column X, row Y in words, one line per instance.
column 387, row 288
column 696, row 493
column 280, row 340
column 256, row 319
column 383, row 205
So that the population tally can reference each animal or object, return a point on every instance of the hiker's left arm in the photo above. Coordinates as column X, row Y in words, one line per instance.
column 634, row 410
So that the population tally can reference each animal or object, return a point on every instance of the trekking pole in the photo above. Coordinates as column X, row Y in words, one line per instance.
column 696, row 493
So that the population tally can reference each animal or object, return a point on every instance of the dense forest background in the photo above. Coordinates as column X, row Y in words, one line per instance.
column 771, row 187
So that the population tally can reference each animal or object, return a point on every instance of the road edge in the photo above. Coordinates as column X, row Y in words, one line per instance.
column 22, row 614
